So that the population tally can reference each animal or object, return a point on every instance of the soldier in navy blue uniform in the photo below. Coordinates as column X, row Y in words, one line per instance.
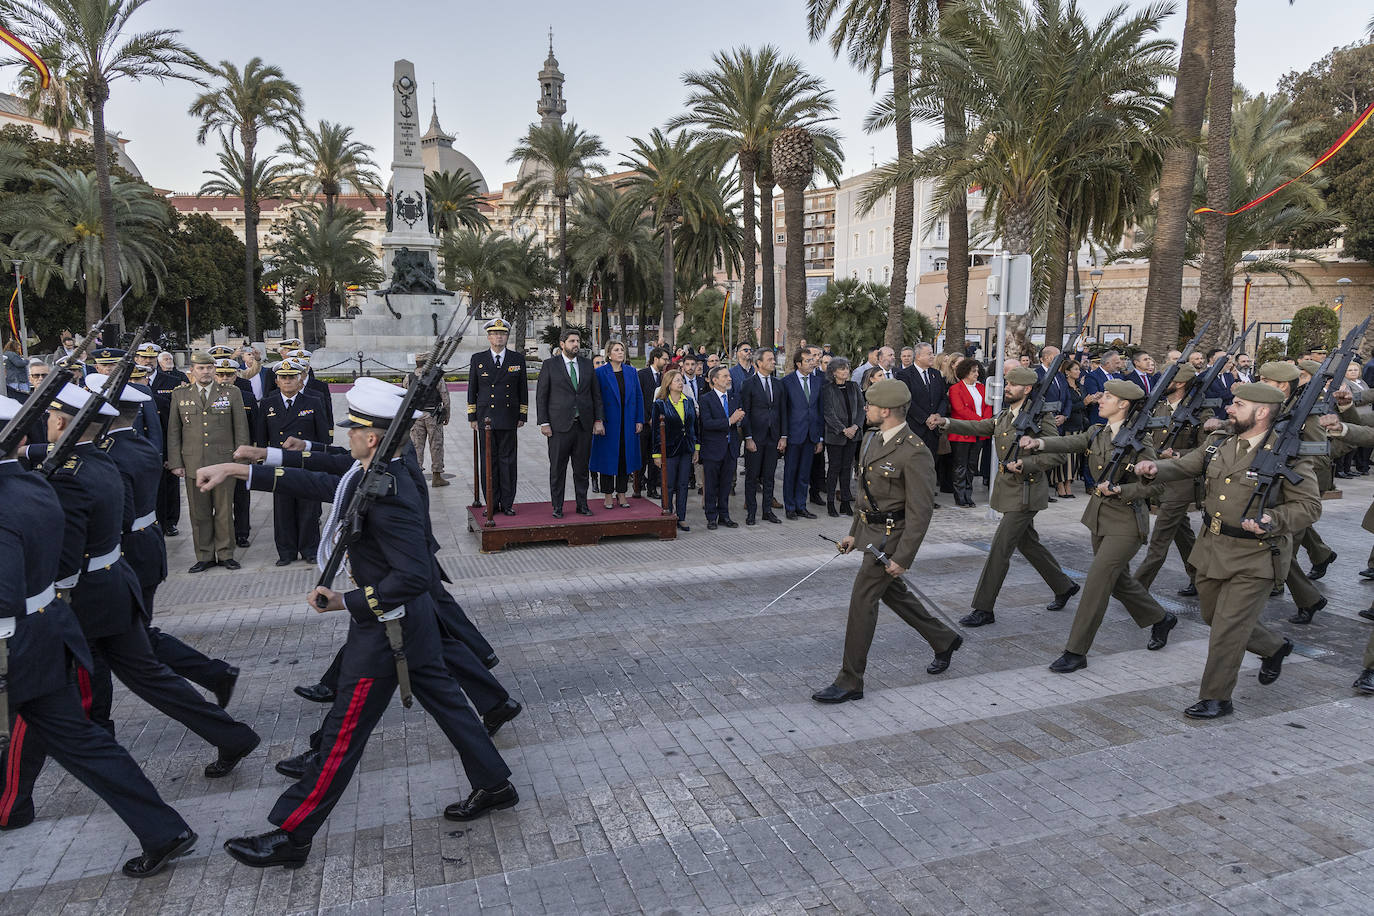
column 499, row 390
column 45, row 644
column 147, row 422
column 389, row 576
column 289, row 411
column 313, row 385
column 161, row 382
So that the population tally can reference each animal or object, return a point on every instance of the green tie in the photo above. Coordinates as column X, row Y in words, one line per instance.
column 572, row 371
column 806, row 388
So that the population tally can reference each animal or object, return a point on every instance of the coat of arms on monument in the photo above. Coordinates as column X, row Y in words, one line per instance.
column 410, row 208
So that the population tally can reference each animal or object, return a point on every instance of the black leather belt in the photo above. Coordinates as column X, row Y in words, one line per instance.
column 1217, row 526
column 883, row 518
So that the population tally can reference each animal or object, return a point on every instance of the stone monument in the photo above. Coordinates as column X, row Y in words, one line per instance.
column 401, row 317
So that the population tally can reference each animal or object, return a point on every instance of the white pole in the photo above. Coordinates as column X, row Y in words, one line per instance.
column 998, row 379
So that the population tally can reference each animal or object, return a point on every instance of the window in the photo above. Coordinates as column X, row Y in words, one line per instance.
column 941, row 263
column 870, row 275
column 870, row 244
column 887, row 239
column 887, row 274
column 856, row 244
column 940, row 230
column 781, row 238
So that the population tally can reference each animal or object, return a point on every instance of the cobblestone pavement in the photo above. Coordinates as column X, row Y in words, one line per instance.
column 669, row 759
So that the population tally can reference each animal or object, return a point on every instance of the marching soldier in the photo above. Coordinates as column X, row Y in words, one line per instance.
column 147, row 423
column 1018, row 496
column 207, row 423
column 897, row 485
column 1118, row 520
column 290, row 411
column 1171, row 517
column 1238, row 559
column 499, row 390
column 44, row 645
column 162, row 382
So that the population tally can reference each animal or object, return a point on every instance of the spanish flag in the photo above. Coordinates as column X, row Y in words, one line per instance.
column 9, row 38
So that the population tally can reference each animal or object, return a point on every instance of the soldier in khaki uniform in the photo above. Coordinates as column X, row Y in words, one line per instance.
column 896, row 499
column 1238, row 560
column 1171, row 517
column 1018, row 496
column 1117, row 517
column 206, row 423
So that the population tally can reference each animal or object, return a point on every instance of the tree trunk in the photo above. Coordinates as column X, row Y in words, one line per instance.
column 93, row 305
column 643, row 332
column 109, row 242
column 1059, row 287
column 956, row 299
column 250, row 238
column 1164, row 292
column 904, row 213
column 1212, row 287
column 622, row 266
column 665, row 329
column 1074, row 275
column 768, row 321
column 563, row 262
column 794, row 267
column 1020, row 222
column 748, row 168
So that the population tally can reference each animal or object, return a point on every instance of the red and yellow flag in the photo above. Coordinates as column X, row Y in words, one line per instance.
column 1335, row 148
column 724, row 311
column 29, row 54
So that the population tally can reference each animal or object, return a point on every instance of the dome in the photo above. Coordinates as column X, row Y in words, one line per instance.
column 438, row 155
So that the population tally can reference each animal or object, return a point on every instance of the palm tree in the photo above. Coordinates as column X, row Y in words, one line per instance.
column 243, row 103
column 456, row 197
column 741, row 102
column 560, row 157
column 268, row 180
column 794, row 162
column 1214, row 291
column 531, row 276
column 66, row 234
column 767, row 290
column 319, row 250
column 328, row 159
column 483, row 265
column 20, row 208
column 88, row 37
column 610, row 235
column 59, row 106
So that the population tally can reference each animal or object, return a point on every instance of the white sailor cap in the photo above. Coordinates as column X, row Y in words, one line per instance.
column 9, row 408
column 371, row 407
column 127, row 395
column 223, row 364
column 148, row 348
column 71, row 399
column 367, row 382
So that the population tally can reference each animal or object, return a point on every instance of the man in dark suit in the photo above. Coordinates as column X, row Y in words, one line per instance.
column 720, row 417
column 929, row 393
column 1095, row 382
column 765, row 435
column 743, row 368
column 1142, row 372
column 1220, row 389
column 804, row 429
column 227, row 373
column 568, row 404
column 817, row 481
column 649, row 378
column 498, row 390
column 287, row 411
column 161, row 382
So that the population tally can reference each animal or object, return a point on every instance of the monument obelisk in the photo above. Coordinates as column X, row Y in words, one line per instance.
column 409, row 217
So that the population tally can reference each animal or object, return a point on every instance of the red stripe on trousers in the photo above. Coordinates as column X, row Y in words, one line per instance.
column 83, row 683
column 16, row 750
column 336, row 753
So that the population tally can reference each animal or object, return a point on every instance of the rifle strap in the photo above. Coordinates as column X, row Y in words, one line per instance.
column 1210, row 452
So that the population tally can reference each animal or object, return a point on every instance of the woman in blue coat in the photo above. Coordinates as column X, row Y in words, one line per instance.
column 616, row 454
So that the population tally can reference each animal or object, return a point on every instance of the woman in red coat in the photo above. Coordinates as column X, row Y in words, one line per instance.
column 968, row 400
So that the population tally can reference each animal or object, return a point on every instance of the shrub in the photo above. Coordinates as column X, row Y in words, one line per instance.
column 1315, row 327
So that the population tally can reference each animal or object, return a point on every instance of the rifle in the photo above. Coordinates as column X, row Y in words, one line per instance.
column 1327, row 404
column 1272, row 462
column 41, row 397
column 1190, row 410
column 376, row 481
column 61, row 450
column 1130, row 438
column 1028, row 420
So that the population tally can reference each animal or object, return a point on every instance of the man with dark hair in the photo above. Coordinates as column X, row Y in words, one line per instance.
column 720, row 419
column 1221, row 386
column 568, row 404
column 865, row 367
column 1142, row 372
column 805, row 431
column 743, row 367
column 498, row 390
column 649, row 378
column 765, row 435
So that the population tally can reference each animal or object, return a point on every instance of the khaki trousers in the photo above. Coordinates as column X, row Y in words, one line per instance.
column 1172, row 526
column 871, row 585
column 1110, row 577
column 1015, row 532
column 1369, row 652
column 1302, row 589
column 1318, row 551
column 1232, row 607
column 212, row 518
column 428, row 428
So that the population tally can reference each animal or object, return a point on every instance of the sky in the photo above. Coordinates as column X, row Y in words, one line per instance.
column 623, row 64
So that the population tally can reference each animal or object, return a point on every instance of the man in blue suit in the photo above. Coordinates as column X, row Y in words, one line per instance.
column 720, row 417
column 1220, row 389
column 805, row 431
column 1094, row 383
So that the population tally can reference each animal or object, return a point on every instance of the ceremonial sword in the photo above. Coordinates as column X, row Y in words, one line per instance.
column 884, row 559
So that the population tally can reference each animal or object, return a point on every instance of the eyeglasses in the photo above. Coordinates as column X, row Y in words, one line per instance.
column 38, row 375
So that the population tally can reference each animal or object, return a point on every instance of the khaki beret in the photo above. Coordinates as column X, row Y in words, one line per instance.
column 1310, row 366
column 1185, row 374
column 1127, row 391
column 888, row 392
column 1258, row 393
column 1279, row 371
column 201, row 359
column 1022, row 376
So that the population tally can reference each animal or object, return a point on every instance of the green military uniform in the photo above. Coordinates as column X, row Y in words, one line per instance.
column 1171, row 516
column 1354, row 434
column 1018, row 497
column 1119, row 526
column 896, row 500
column 205, row 430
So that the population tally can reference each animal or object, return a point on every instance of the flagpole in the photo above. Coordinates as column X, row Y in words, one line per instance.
column 23, row 325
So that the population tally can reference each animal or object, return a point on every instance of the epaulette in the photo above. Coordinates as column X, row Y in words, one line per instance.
column 72, row 466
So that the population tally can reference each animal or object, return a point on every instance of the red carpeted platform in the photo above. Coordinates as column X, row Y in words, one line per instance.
column 534, row 522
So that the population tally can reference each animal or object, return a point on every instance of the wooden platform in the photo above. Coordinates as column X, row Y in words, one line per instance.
column 534, row 522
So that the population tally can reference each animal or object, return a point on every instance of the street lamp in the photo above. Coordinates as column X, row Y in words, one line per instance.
column 1095, row 278
column 1245, row 296
column 19, row 293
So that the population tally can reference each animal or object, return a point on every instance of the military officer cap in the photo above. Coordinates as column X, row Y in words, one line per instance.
column 376, row 384
column 369, row 406
column 201, row 359
column 290, row 343
column 71, row 399
column 67, row 362
column 497, row 324
column 1258, row 393
column 1185, row 374
column 139, row 372
column 1310, row 366
column 888, row 392
column 106, row 356
column 299, row 355
column 9, row 408
column 127, row 395
column 148, row 348
column 226, row 365
column 1022, row 376
column 1127, row 391
column 289, row 368
column 220, row 351
column 1279, row 371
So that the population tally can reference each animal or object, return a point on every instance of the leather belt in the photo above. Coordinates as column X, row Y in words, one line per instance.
column 1217, row 526
column 144, row 521
column 105, row 560
column 882, row 518
column 38, row 602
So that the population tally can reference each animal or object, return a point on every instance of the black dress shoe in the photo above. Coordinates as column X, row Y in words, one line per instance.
column 227, row 761
column 558, row 512
column 1276, row 590
column 682, row 527
column 711, row 526
column 502, row 714
column 1159, row 633
column 816, row 500
column 847, row 508
column 791, row 516
column 509, row 510
column 1054, row 499
column 941, row 661
column 1367, row 613
column 833, row 694
column 1272, row 667
column 1365, row 682
column 224, row 691
column 1305, row 614
column 281, row 562
column 807, row 513
column 1188, row 591
column 275, row 847
column 1209, row 709
column 483, row 800
column 1367, row 572
column 1060, row 600
column 491, row 661
column 150, row 863
column 242, row 542
column 310, row 559
column 295, row 767
column 584, row 509
column 750, row 521
column 201, row 566
column 230, row 563
column 315, row 693
column 1319, row 569
column 170, row 531
column 729, row 523
column 1068, row 663
column 977, row 619
column 831, row 511
column 770, row 517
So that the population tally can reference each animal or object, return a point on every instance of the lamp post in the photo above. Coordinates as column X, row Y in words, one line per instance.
column 1095, row 278
column 1341, row 286
column 19, row 293
column 1245, row 294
